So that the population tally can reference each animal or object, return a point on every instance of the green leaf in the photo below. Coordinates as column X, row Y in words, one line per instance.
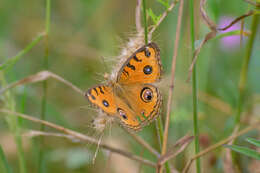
column 152, row 15
column 164, row 3
column 245, row 151
column 4, row 161
column 12, row 61
column 254, row 141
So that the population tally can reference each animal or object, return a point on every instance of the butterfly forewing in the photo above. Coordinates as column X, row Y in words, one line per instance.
column 143, row 66
column 103, row 97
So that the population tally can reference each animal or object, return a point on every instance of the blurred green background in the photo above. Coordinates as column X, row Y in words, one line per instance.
column 84, row 31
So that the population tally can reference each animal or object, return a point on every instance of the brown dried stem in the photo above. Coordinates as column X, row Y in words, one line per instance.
column 181, row 144
column 143, row 143
column 219, row 144
column 38, row 77
column 213, row 27
column 138, row 16
column 80, row 137
column 169, row 102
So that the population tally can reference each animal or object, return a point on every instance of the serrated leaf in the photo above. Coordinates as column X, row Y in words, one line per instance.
column 152, row 15
column 254, row 141
column 245, row 151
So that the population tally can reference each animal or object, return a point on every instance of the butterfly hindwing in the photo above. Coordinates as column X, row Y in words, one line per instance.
column 106, row 99
column 143, row 66
column 147, row 101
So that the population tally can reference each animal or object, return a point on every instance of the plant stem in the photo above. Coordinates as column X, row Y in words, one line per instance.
column 45, row 84
column 145, row 23
column 171, row 87
column 244, row 70
column 194, row 89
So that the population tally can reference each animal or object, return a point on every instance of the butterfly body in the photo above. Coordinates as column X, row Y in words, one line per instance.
column 132, row 97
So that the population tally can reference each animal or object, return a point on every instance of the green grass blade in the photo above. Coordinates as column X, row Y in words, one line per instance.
column 254, row 141
column 4, row 161
column 245, row 151
column 230, row 33
column 42, row 166
column 12, row 61
column 194, row 88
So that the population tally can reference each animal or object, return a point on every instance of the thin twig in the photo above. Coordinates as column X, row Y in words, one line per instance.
column 138, row 16
column 169, row 102
column 81, row 137
column 212, row 33
column 219, row 144
column 36, row 133
column 41, row 76
column 162, row 18
column 250, row 13
column 143, row 143
column 181, row 143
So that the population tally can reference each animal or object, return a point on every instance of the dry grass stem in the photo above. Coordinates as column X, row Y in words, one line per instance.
column 38, row 77
column 169, row 102
column 180, row 145
column 250, row 13
column 143, row 143
column 80, row 137
column 219, row 144
column 213, row 27
column 138, row 16
column 36, row 133
column 162, row 18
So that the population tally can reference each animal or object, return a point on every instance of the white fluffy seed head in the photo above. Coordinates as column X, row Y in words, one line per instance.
column 127, row 50
column 101, row 121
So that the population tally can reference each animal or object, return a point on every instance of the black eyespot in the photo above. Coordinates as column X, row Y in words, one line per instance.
column 147, row 52
column 122, row 113
column 146, row 94
column 148, row 69
column 105, row 103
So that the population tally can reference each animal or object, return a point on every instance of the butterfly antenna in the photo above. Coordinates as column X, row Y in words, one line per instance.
column 95, row 155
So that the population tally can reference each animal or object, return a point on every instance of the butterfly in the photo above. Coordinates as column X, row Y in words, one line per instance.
column 132, row 97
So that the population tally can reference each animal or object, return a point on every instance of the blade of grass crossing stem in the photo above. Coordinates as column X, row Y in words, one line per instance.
column 245, row 151
column 4, row 161
column 45, row 84
column 194, row 88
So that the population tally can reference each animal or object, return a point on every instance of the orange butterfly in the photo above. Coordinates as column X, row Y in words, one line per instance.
column 132, row 97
